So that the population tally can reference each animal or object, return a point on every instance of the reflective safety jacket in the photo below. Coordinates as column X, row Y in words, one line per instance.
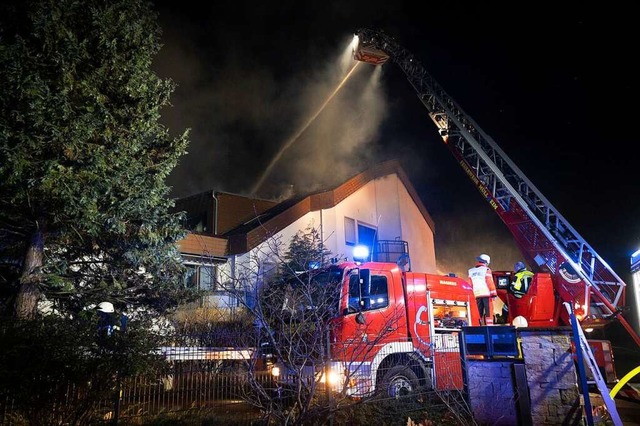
column 520, row 285
column 108, row 323
column 482, row 280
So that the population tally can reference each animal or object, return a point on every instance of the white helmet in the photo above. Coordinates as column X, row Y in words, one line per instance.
column 519, row 321
column 484, row 258
column 106, row 307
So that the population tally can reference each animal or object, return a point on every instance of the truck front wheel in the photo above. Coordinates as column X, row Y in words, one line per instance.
column 399, row 381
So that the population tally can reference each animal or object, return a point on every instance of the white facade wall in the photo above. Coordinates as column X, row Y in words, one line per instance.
column 389, row 207
column 417, row 232
column 360, row 206
column 383, row 203
column 330, row 234
column 251, row 268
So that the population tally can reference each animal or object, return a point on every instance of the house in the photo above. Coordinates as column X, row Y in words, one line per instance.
column 232, row 237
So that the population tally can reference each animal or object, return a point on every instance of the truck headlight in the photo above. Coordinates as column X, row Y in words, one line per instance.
column 334, row 378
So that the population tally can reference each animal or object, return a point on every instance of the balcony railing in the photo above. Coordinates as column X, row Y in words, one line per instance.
column 395, row 251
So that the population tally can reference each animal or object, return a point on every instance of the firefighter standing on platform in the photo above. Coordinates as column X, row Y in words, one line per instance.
column 519, row 286
column 484, row 289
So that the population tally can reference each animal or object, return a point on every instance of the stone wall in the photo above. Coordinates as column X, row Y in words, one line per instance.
column 551, row 382
column 491, row 392
column 551, row 375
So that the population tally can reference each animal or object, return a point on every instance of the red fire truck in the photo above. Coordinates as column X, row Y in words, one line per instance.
column 395, row 329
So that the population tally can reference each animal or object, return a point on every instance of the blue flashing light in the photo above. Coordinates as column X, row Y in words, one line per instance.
column 360, row 253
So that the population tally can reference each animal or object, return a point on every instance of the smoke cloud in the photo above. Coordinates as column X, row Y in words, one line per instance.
column 241, row 116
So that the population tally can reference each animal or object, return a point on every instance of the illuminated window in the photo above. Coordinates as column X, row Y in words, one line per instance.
column 367, row 236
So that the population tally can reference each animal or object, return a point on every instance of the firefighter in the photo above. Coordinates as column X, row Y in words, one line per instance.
column 109, row 321
column 504, row 316
column 519, row 286
column 484, row 289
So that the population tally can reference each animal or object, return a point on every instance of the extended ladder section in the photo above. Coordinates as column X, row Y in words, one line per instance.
column 545, row 238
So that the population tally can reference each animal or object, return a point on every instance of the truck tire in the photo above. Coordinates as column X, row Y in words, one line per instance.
column 399, row 382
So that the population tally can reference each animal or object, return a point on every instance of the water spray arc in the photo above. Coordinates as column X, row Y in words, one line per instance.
column 295, row 137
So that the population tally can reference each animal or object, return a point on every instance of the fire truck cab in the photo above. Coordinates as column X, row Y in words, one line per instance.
column 540, row 306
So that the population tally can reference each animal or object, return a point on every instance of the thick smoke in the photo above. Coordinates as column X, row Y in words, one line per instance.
column 241, row 116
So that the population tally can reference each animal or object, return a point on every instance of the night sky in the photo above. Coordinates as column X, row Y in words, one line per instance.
column 553, row 84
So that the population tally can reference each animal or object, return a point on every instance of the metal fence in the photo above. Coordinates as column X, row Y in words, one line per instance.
column 198, row 388
column 202, row 386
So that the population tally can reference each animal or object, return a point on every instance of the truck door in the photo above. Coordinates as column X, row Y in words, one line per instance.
column 373, row 314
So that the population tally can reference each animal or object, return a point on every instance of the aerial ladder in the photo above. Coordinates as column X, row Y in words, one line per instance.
column 581, row 277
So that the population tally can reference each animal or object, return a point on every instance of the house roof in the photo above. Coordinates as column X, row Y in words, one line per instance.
column 231, row 210
column 255, row 231
column 256, row 220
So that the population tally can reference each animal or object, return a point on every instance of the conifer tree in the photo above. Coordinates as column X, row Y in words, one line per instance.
column 84, row 207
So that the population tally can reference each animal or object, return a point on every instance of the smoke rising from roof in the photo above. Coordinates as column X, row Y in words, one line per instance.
column 240, row 115
column 243, row 97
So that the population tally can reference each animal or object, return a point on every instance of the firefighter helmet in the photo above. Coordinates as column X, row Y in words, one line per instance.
column 518, row 266
column 106, row 307
column 519, row 321
column 484, row 258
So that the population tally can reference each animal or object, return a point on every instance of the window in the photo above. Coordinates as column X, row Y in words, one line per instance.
column 366, row 236
column 367, row 292
column 378, row 294
column 201, row 277
column 350, row 231
column 191, row 276
column 207, row 278
column 354, row 293
column 359, row 233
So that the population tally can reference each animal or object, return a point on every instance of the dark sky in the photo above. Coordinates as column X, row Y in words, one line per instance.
column 554, row 84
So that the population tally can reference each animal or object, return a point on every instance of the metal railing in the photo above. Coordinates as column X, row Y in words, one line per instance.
column 212, row 388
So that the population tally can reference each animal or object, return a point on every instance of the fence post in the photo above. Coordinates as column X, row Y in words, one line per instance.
column 116, row 405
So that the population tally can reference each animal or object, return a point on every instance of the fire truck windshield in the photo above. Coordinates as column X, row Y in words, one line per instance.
column 367, row 291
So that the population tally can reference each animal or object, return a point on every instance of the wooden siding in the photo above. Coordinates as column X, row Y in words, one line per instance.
column 199, row 244
column 234, row 210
